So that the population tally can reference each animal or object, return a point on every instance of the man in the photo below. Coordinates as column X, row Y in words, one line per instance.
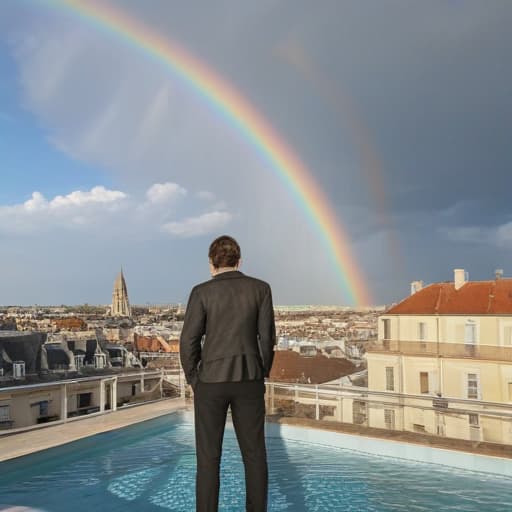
column 235, row 314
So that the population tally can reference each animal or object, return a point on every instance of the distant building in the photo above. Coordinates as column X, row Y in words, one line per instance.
column 70, row 324
column 26, row 405
column 20, row 354
column 155, row 343
column 120, row 302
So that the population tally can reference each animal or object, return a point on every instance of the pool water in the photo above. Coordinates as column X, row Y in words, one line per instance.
column 151, row 467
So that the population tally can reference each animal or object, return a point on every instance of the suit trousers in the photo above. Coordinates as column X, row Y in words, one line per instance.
column 247, row 402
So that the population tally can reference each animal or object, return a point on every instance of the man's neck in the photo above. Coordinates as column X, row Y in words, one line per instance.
column 225, row 269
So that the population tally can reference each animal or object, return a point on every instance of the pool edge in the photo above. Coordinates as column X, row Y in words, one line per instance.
column 33, row 441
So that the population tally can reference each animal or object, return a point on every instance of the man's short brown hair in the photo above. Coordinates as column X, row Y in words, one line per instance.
column 224, row 252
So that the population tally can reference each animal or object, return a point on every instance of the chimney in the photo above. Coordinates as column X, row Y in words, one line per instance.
column 459, row 278
column 416, row 286
column 498, row 273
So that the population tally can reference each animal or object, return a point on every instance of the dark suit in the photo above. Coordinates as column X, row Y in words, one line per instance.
column 235, row 314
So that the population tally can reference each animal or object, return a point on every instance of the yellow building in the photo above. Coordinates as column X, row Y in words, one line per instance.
column 450, row 340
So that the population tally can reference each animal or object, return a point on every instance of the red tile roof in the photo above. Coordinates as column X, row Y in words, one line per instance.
column 289, row 366
column 473, row 298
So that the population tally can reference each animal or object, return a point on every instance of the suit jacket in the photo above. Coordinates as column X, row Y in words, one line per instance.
column 229, row 331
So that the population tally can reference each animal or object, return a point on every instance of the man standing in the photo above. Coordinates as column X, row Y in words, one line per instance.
column 235, row 314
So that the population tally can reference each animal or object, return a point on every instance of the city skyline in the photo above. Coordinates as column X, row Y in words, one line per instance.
column 137, row 170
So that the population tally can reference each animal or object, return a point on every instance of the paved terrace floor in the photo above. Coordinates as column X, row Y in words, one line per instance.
column 23, row 443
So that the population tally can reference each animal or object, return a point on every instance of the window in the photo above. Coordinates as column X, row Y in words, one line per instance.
column 389, row 419
column 390, row 378
column 79, row 361
column 424, row 382
column 84, row 400
column 43, row 408
column 507, row 336
column 4, row 413
column 473, row 420
column 387, row 328
column 470, row 333
column 359, row 412
column 472, row 386
column 418, row 428
column 422, row 331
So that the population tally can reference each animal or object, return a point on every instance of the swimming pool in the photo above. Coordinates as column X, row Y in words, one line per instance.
column 150, row 466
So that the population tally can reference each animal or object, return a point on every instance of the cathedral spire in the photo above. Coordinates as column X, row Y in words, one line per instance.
column 120, row 302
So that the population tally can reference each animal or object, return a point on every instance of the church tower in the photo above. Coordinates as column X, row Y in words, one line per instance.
column 120, row 302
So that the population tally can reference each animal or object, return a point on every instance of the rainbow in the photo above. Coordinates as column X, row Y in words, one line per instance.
column 236, row 110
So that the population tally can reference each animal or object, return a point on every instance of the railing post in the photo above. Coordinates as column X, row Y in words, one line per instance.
column 102, row 395
column 317, row 403
column 114, row 394
column 64, row 402
column 272, row 392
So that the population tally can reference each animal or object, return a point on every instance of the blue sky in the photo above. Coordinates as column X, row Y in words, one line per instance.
column 29, row 161
column 107, row 160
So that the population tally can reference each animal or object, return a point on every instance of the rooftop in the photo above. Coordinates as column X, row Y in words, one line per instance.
column 289, row 366
column 472, row 298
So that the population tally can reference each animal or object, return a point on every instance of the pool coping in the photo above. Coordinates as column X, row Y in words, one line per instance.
column 306, row 430
column 32, row 441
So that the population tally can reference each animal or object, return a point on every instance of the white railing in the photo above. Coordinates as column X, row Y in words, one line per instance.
column 458, row 418
column 108, row 396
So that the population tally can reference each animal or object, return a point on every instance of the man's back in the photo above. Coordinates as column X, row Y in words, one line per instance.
column 235, row 314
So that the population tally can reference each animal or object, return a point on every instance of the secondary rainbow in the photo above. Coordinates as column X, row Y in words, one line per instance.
column 248, row 122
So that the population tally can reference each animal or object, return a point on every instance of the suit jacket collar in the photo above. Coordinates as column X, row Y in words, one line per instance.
column 229, row 274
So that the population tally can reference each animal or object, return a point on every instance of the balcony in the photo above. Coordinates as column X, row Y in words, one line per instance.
column 442, row 349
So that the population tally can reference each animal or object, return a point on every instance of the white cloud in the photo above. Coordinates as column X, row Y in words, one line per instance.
column 165, row 192
column 78, row 198
column 76, row 208
column 37, row 203
column 99, row 206
column 200, row 225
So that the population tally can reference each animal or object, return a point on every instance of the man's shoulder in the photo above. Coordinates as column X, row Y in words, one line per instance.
column 257, row 282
